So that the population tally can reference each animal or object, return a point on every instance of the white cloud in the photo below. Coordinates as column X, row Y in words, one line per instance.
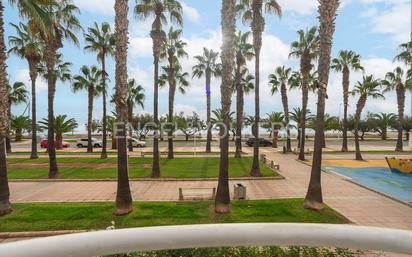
column 306, row 7
column 105, row 7
column 190, row 12
column 140, row 47
column 22, row 75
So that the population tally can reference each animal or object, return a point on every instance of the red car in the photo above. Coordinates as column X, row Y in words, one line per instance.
column 44, row 144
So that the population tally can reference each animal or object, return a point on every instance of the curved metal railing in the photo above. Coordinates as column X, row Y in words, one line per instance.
column 214, row 235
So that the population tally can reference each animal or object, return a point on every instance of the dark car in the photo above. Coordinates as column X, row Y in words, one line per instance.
column 262, row 142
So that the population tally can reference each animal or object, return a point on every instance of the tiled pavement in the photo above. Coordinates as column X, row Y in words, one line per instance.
column 360, row 205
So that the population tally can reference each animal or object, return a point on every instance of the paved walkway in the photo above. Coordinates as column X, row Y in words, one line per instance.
column 360, row 205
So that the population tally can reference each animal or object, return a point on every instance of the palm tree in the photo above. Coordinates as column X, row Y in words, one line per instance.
column 405, row 56
column 384, row 121
column 274, row 122
column 26, row 9
column 331, row 123
column 296, row 116
column 101, row 40
column 252, row 14
column 61, row 71
column 19, row 124
column 27, row 46
column 172, row 49
column 244, row 53
column 135, row 96
column 89, row 80
column 159, row 9
column 62, row 24
column 278, row 81
column 222, row 201
column 369, row 87
column 208, row 66
column 17, row 94
column 395, row 81
column 345, row 62
column 62, row 125
column 306, row 49
column 327, row 16
column 123, row 196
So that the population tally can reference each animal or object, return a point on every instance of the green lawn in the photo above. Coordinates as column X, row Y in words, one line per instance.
column 95, row 168
column 75, row 216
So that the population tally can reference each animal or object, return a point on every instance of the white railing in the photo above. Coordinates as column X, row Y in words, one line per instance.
column 214, row 235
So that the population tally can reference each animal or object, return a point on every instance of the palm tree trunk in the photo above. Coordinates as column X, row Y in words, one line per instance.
column 345, row 85
column 130, row 120
column 33, row 78
column 239, row 113
column 222, row 202
column 104, row 122
column 157, row 36
column 305, row 70
column 4, row 123
column 208, row 115
column 283, row 92
column 123, row 196
column 359, row 108
column 50, row 54
column 327, row 11
column 8, row 134
column 90, row 119
column 400, row 93
column 172, row 92
column 275, row 139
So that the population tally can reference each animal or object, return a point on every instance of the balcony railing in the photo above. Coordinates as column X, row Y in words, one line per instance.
column 214, row 235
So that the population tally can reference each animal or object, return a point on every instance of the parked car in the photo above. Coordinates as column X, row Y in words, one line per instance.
column 137, row 143
column 262, row 142
column 44, row 144
column 84, row 142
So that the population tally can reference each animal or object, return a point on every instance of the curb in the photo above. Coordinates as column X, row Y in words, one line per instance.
column 7, row 235
column 279, row 177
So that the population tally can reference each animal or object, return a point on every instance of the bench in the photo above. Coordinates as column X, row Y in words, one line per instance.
column 297, row 150
column 274, row 165
column 197, row 193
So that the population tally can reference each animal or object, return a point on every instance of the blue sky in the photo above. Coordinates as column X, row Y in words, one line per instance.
column 372, row 28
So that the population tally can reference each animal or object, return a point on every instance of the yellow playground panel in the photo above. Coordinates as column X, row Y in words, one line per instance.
column 355, row 164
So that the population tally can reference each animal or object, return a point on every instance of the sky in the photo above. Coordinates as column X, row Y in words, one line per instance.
column 372, row 28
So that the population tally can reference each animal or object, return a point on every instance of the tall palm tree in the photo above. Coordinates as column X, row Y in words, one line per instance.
column 369, row 87
column 172, row 49
column 244, row 53
column 222, row 201
column 327, row 15
column 60, row 72
column 278, row 81
column 395, row 81
column 17, row 94
column 89, row 79
column 63, row 25
column 405, row 56
column 207, row 66
column 135, row 96
column 26, row 9
column 62, row 125
column 123, row 196
column 101, row 40
column 159, row 9
column 252, row 14
column 28, row 46
column 306, row 48
column 345, row 62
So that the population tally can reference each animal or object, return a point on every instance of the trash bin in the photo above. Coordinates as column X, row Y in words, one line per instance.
column 240, row 191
